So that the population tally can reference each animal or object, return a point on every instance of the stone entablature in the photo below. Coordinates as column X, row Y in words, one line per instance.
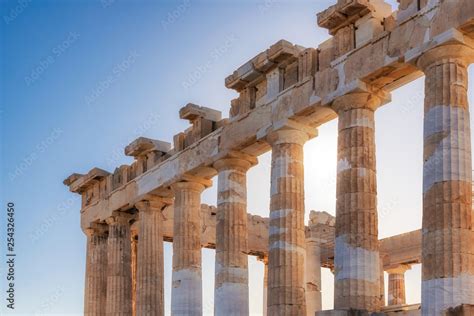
column 309, row 99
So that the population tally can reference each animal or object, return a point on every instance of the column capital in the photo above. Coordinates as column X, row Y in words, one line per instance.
column 191, row 182
column 360, row 100
column 399, row 269
column 263, row 259
column 237, row 155
column 287, row 136
column 119, row 218
column 96, row 229
column 461, row 54
column 153, row 204
column 185, row 185
column 233, row 163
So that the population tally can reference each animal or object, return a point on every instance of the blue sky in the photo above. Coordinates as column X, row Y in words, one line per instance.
column 82, row 79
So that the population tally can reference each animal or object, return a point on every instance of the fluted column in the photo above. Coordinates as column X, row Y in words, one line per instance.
column 265, row 289
column 313, row 276
column 382, row 283
column 448, row 237
column 119, row 266
column 186, row 293
column 231, row 294
column 150, row 266
column 134, row 242
column 286, row 288
column 96, row 271
column 357, row 275
column 396, row 285
column 265, row 284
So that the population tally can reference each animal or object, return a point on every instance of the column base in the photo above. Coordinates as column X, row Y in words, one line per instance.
column 462, row 310
column 341, row 312
column 405, row 310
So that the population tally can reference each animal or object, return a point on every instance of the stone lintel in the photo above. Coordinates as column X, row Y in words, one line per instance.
column 412, row 310
column 401, row 249
column 82, row 183
column 279, row 54
column 192, row 112
column 142, row 146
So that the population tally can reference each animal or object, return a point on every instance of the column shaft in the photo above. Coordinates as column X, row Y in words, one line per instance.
column 448, row 237
column 186, row 293
column 286, row 288
column 96, row 273
column 150, row 269
column 396, row 289
column 357, row 276
column 134, row 274
column 119, row 267
column 313, row 277
column 231, row 296
column 265, row 286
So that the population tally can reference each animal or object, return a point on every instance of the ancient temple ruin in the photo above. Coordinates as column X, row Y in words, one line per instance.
column 285, row 93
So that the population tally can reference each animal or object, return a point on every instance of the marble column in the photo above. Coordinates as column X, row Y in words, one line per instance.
column 186, row 293
column 150, row 268
column 286, row 288
column 119, row 266
column 448, row 236
column 96, row 271
column 396, row 285
column 382, row 283
column 265, row 284
column 313, row 276
column 134, row 242
column 357, row 262
column 231, row 293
